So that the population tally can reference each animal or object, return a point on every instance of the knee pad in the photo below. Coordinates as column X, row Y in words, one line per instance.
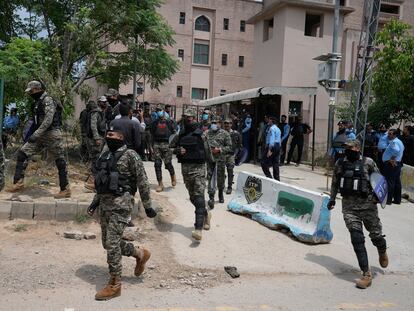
column 169, row 166
column 200, row 205
column 230, row 166
column 21, row 156
column 358, row 242
column 380, row 243
column 357, row 237
column 61, row 164
column 158, row 163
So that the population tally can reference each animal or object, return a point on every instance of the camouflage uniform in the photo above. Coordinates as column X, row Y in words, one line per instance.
column 220, row 139
column 359, row 209
column 236, row 143
column 115, row 211
column 194, row 173
column 47, row 136
column 96, row 132
column 162, row 151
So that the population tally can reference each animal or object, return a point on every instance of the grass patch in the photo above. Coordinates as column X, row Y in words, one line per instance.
column 20, row 227
column 81, row 218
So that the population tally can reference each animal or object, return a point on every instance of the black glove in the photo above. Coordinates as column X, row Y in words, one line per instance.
column 331, row 204
column 151, row 213
column 32, row 139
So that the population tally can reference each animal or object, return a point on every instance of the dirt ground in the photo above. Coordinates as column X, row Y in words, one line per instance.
column 35, row 255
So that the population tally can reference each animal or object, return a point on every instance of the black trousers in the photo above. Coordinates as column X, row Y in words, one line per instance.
column 299, row 142
column 393, row 176
column 283, row 151
column 272, row 161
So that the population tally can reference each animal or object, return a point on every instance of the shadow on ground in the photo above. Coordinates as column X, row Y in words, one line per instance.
column 98, row 276
column 338, row 268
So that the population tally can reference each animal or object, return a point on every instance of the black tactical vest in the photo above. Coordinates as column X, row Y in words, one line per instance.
column 40, row 114
column 162, row 131
column 194, row 145
column 354, row 180
column 108, row 180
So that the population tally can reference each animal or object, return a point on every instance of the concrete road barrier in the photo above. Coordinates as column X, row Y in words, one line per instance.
column 407, row 181
column 275, row 204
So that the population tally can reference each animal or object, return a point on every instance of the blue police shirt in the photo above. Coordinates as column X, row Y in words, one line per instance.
column 273, row 136
column 382, row 140
column 286, row 131
column 394, row 151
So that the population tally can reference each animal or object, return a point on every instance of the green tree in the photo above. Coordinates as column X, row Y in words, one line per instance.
column 78, row 36
column 393, row 80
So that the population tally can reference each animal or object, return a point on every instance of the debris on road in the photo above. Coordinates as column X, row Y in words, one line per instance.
column 232, row 271
column 76, row 235
column 89, row 236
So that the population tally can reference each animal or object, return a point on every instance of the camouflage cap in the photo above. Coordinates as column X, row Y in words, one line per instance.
column 352, row 143
column 102, row 99
column 112, row 92
column 228, row 121
column 189, row 113
column 33, row 84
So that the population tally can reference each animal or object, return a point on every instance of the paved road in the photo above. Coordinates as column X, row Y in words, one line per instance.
column 277, row 272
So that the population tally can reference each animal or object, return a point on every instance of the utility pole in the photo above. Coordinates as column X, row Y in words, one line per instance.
column 1, row 105
column 134, row 82
column 361, row 96
column 333, row 82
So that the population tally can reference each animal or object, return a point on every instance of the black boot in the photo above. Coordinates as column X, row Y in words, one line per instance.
column 211, row 200
column 229, row 190
column 221, row 196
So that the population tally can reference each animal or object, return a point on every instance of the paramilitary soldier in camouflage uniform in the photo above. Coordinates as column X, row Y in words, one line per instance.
column 192, row 151
column 220, row 143
column 161, row 130
column 236, row 143
column 120, row 172
column 47, row 134
column 359, row 206
column 95, row 132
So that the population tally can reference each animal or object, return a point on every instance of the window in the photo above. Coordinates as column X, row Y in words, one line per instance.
column 197, row 93
column 295, row 108
column 226, row 24
column 389, row 8
column 241, row 61
column 242, row 26
column 342, row 2
column 313, row 25
column 222, row 92
column 268, row 29
column 202, row 24
column 182, row 18
column 181, row 54
column 179, row 91
column 224, row 59
column 201, row 53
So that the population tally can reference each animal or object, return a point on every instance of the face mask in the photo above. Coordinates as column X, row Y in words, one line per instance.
column 352, row 155
column 36, row 96
column 114, row 144
column 214, row 127
column 160, row 114
column 204, row 117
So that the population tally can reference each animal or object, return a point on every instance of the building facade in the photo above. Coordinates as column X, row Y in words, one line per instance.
column 289, row 34
column 214, row 46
